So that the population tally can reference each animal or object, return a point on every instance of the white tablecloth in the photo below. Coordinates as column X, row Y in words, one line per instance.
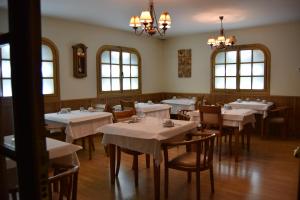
column 232, row 118
column 154, row 110
column 180, row 104
column 80, row 123
column 259, row 107
column 145, row 136
column 59, row 151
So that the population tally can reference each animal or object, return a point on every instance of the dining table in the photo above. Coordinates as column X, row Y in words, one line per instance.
column 235, row 118
column 261, row 108
column 145, row 136
column 180, row 104
column 154, row 110
column 80, row 123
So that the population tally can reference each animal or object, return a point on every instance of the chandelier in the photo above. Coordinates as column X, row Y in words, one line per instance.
column 221, row 41
column 148, row 22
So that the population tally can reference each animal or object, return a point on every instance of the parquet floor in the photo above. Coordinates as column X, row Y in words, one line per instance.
column 268, row 172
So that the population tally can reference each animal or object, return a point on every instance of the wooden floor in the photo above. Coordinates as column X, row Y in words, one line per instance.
column 268, row 172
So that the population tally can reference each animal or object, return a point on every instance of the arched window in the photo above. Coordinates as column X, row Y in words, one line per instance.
column 49, row 70
column 242, row 68
column 118, row 70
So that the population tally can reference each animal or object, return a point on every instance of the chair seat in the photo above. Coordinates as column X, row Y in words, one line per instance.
column 210, row 131
column 186, row 160
column 277, row 120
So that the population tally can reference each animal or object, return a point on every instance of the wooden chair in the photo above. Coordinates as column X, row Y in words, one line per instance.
column 55, row 131
column 279, row 117
column 211, row 120
column 62, row 184
column 191, row 161
column 121, row 116
column 127, row 104
column 182, row 115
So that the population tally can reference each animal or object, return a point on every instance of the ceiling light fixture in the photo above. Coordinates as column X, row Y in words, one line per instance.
column 148, row 22
column 221, row 41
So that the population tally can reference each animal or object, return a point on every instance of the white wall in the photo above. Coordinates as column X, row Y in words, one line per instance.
column 282, row 40
column 159, row 57
column 67, row 33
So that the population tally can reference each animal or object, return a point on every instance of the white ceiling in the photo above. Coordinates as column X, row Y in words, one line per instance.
column 188, row 16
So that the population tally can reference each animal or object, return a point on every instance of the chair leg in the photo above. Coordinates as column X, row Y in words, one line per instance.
column 189, row 177
column 136, row 170
column 93, row 144
column 198, row 184
column 220, row 147
column 118, row 160
column 166, row 182
column 83, row 143
column 217, row 144
column 90, row 138
column 212, row 182
column 243, row 140
column 230, row 144
column 147, row 160
column 248, row 141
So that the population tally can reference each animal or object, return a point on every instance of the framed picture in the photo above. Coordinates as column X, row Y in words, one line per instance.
column 184, row 63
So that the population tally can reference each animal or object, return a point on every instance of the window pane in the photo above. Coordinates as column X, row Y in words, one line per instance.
column 46, row 53
column 126, row 83
column 134, row 83
column 126, row 70
column 5, row 51
column 115, row 57
column 134, row 71
column 231, row 57
column 230, row 83
column 258, row 69
column 6, row 70
column 48, row 86
column 220, row 57
column 258, row 83
column 7, row 92
column 126, row 58
column 245, row 70
column 106, row 84
column 105, row 70
column 220, row 70
column 134, row 59
column 245, row 83
column 115, row 71
column 258, row 56
column 115, row 84
column 47, row 69
column 231, row 70
column 219, row 83
column 105, row 57
column 246, row 55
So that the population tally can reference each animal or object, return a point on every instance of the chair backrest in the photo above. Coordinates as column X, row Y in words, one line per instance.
column 123, row 115
column 127, row 104
column 182, row 115
column 204, row 147
column 280, row 111
column 211, row 116
column 63, row 184
column 199, row 102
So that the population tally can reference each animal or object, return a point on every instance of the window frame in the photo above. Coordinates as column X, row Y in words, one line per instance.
column 99, row 75
column 47, row 97
column 238, row 48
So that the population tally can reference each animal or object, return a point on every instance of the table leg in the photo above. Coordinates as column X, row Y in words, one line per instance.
column 156, row 174
column 237, row 147
column 262, row 126
column 112, row 157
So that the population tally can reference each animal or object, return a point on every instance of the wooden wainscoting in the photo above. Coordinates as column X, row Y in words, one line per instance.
column 6, row 112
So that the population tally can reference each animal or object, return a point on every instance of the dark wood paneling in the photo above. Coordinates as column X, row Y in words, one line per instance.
column 54, row 106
